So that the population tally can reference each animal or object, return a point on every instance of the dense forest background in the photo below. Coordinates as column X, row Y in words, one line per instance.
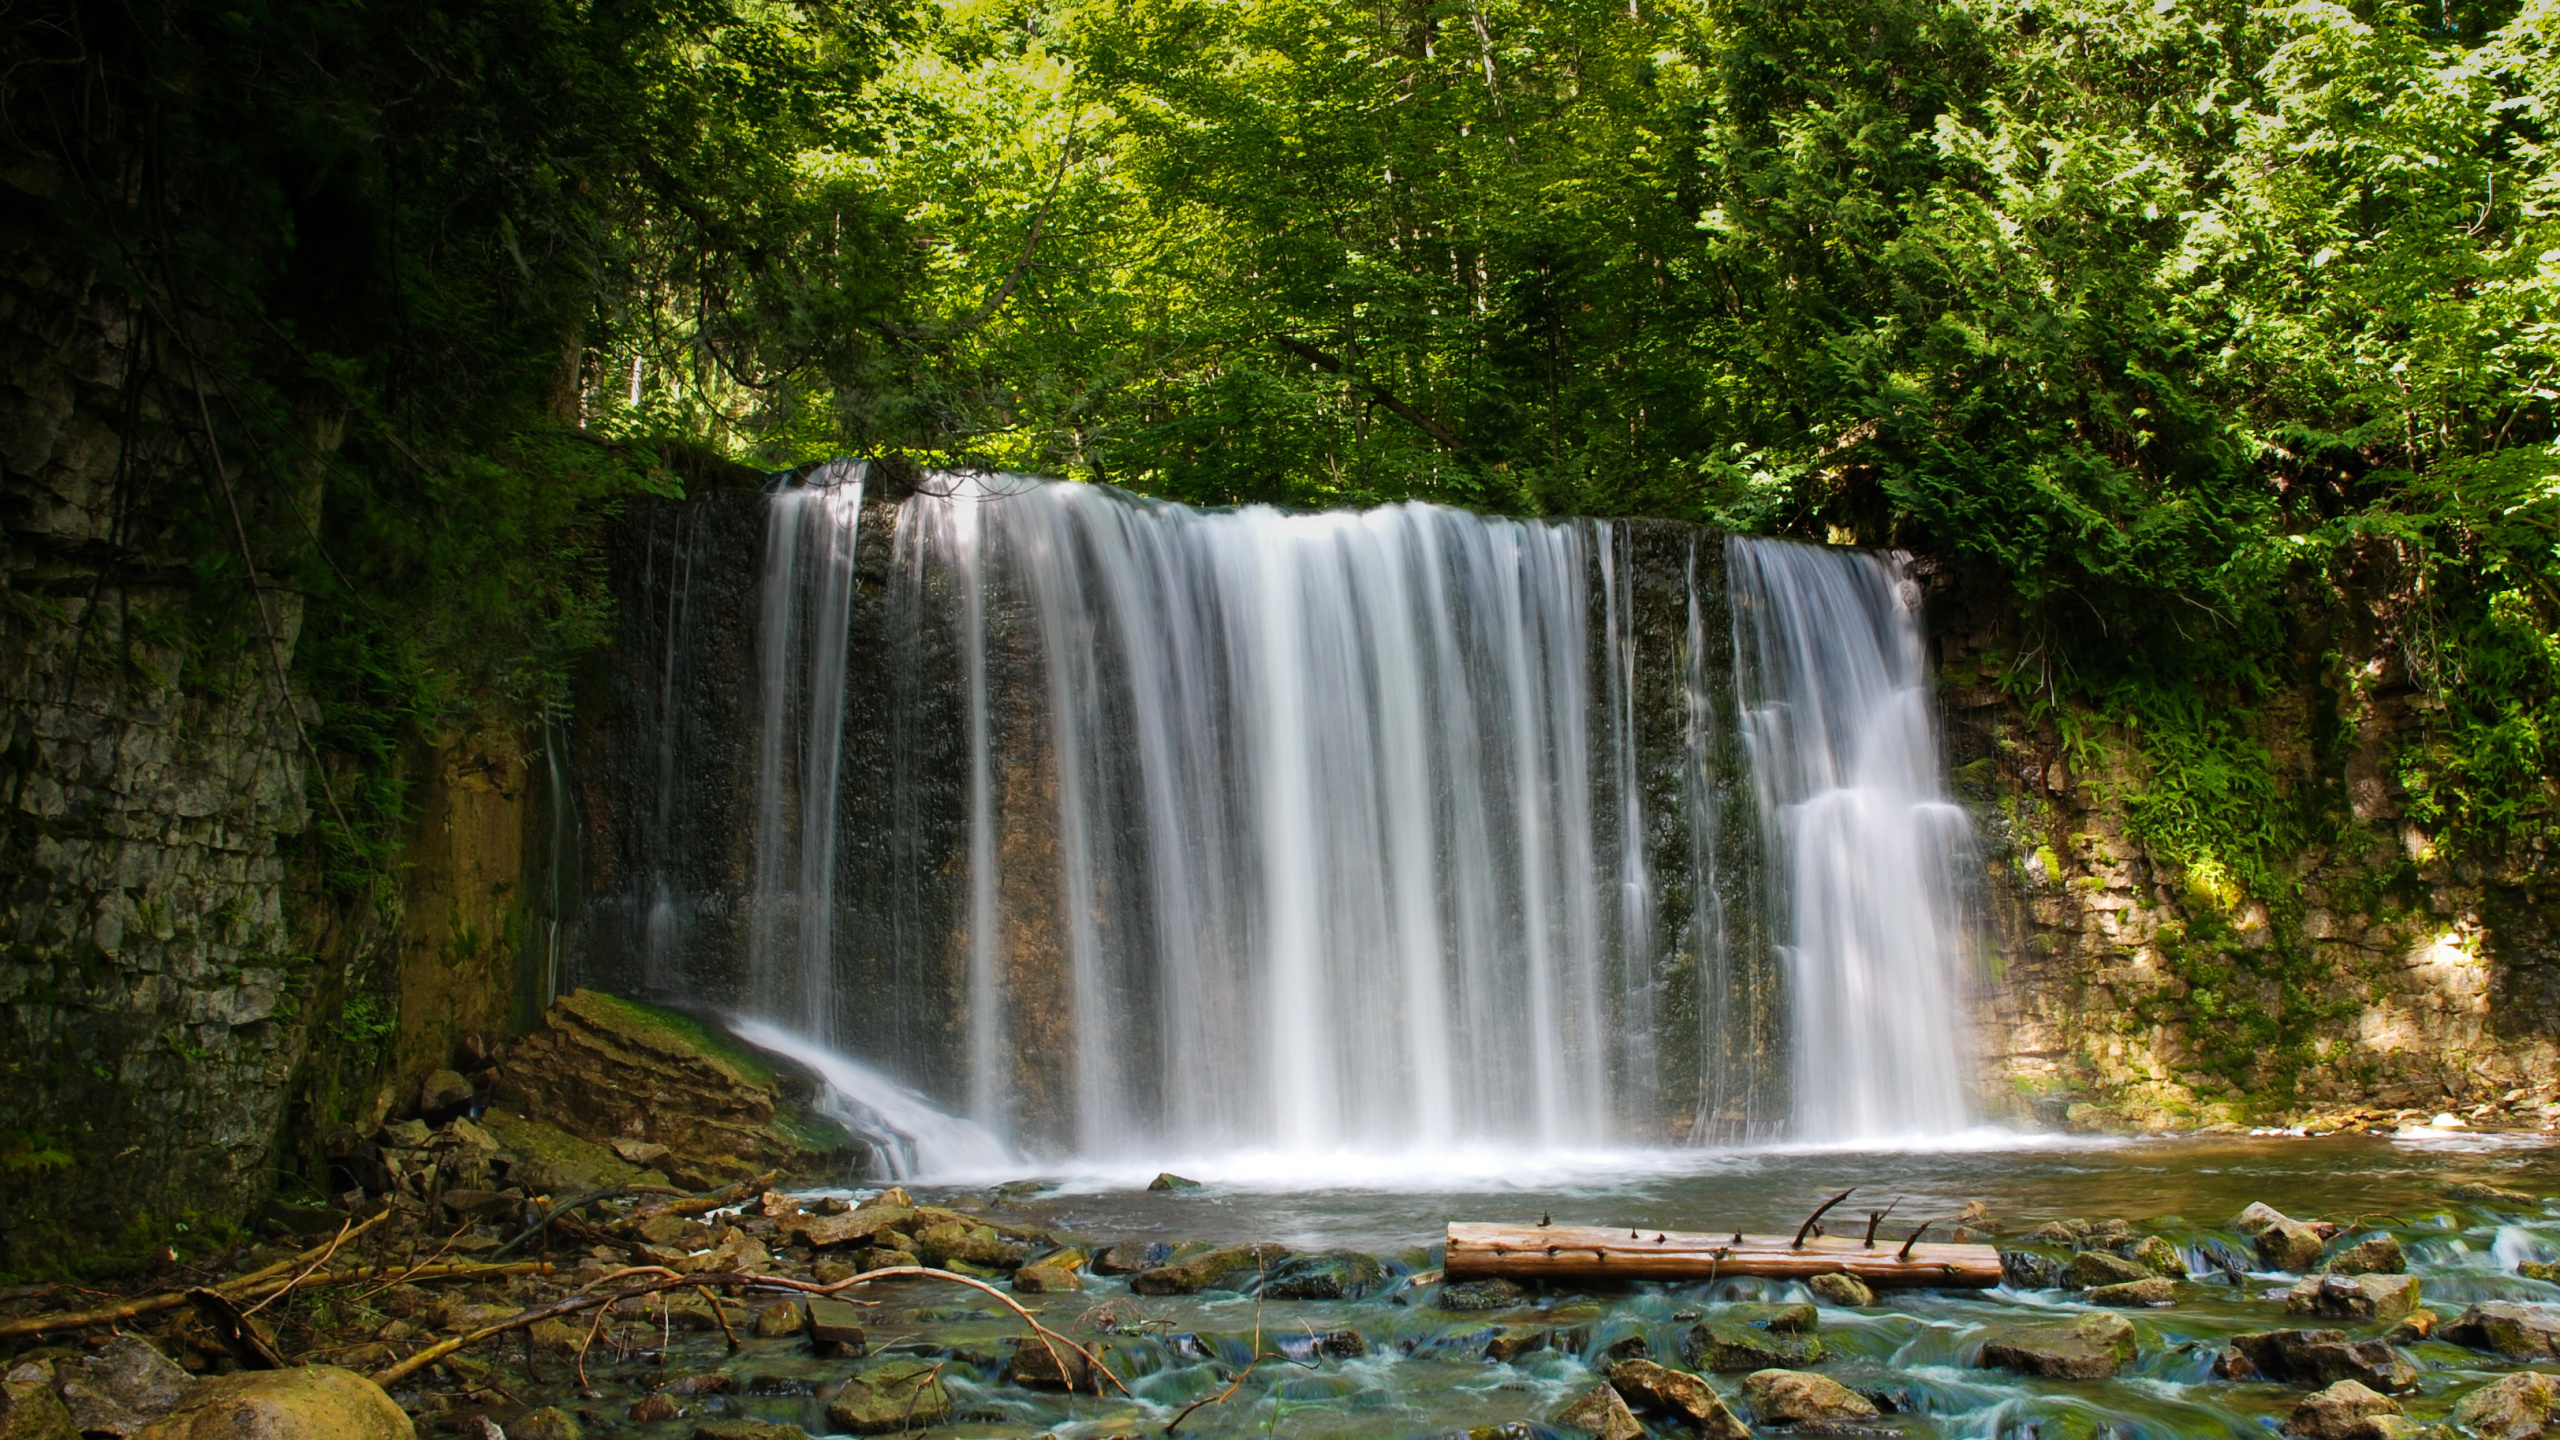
column 2191, row 335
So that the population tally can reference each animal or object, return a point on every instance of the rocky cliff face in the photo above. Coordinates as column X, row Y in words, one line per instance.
column 2130, row 991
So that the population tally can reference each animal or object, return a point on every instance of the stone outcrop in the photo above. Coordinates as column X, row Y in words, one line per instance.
column 607, row 1069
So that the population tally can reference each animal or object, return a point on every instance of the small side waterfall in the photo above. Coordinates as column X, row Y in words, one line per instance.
column 1103, row 826
column 1872, row 855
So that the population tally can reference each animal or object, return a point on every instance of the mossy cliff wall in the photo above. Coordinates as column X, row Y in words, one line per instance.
column 176, row 975
column 2233, row 914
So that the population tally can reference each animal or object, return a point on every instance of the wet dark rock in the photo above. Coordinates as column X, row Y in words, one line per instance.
column 1742, row 1338
column 1040, row 1363
column 2518, row 1407
column 2512, row 1328
column 1187, row 1277
column 1132, row 1257
column 894, row 1395
column 1170, row 1182
column 1491, row 1294
column 1603, row 1413
column 1332, row 1275
column 780, row 1321
column 1341, row 1345
column 1659, row 1390
column 1795, row 1397
column 650, row 1409
column 1513, row 1341
column 94, row 1413
column 2092, row 1268
column 1628, row 1347
column 2316, row 1357
column 311, row 1402
column 2088, row 1347
column 2029, row 1270
column 2373, row 1255
column 1844, row 1290
column 2474, row 1192
column 715, row 1382
column 2135, row 1294
column 2345, row 1411
column 2378, row 1299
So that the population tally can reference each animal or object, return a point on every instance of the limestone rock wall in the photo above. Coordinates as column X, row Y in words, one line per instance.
column 2410, row 979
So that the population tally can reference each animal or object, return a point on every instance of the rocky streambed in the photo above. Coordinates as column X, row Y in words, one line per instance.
column 2365, row 1288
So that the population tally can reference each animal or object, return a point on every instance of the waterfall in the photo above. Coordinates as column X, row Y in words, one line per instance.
column 1114, row 828
column 1870, row 850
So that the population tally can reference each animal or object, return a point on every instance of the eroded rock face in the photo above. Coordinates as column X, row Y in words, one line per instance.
column 2517, row 1407
column 2090, row 1347
column 314, row 1402
column 1797, row 1397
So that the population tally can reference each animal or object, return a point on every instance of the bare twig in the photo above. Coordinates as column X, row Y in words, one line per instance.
column 334, row 1243
column 1807, row 1227
column 168, row 1300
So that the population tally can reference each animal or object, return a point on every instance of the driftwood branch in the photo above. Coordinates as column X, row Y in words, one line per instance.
column 1807, row 1227
column 1378, row 394
column 171, row 1299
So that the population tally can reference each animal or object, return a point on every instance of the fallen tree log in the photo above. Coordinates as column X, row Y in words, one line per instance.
column 1584, row 1253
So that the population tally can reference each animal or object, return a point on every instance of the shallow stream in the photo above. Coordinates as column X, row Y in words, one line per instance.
column 1426, row 1371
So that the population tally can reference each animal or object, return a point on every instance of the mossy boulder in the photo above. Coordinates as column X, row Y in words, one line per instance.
column 898, row 1395
column 1200, row 1272
column 2088, row 1347
column 310, row 1402
column 1742, row 1338
column 1332, row 1275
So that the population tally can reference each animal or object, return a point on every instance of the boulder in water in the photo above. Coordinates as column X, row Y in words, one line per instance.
column 896, row 1396
column 2345, row 1411
column 1603, row 1413
column 2155, row 1254
column 1188, row 1277
column 2512, row 1328
column 1333, row 1275
column 1170, row 1183
column 1797, row 1397
column 2383, row 1299
column 2373, row 1255
column 1513, row 1341
column 1842, row 1289
column 2283, row 1243
column 2316, row 1357
column 2474, row 1192
column 1130, row 1258
column 734, row 1430
column 1040, row 1363
column 1661, row 1390
column 2518, row 1407
column 1054, row 1275
column 549, row 1423
column 311, row 1402
column 2135, row 1294
column 2089, row 1347
column 1742, row 1338
column 2029, row 1270
column 2091, row 1268
column 969, row 1244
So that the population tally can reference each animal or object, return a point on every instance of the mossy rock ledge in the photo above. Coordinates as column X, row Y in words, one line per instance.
column 634, row 1077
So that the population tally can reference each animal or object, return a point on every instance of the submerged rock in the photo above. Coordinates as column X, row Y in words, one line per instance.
column 735, row 1430
column 311, row 1402
column 1795, row 1397
column 1843, row 1289
column 1494, row 1293
column 1513, row 1341
column 1332, row 1275
column 2373, row 1255
column 2089, row 1347
column 2345, row 1411
column 2512, row 1328
column 2383, row 1299
column 2474, row 1192
column 2316, row 1357
column 1187, row 1277
column 1661, row 1390
column 548, row 1423
column 898, row 1395
column 1743, row 1338
column 2029, row 1270
column 2518, row 1407
column 1601, row 1412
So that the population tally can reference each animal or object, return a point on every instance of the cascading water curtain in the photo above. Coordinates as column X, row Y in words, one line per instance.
column 808, row 585
column 1310, row 798
column 1870, row 852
